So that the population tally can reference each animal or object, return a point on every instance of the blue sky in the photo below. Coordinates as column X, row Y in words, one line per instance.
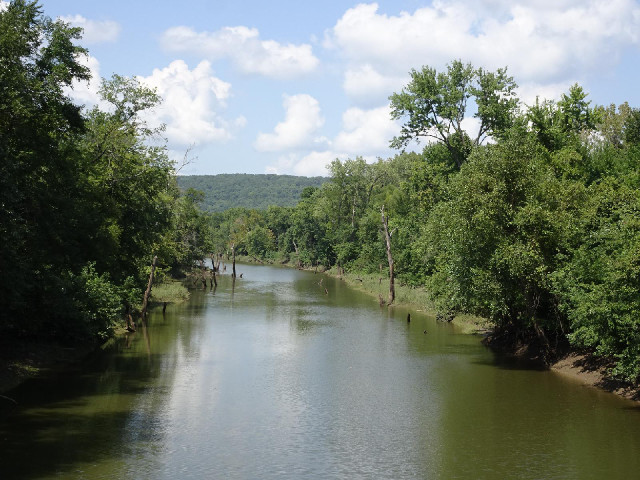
column 287, row 86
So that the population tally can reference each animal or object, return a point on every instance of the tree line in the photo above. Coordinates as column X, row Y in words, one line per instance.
column 532, row 223
column 260, row 191
column 87, row 197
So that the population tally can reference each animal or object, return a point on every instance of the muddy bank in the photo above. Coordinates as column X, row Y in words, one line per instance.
column 593, row 372
column 561, row 359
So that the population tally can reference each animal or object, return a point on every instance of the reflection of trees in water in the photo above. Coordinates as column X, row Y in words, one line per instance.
column 105, row 408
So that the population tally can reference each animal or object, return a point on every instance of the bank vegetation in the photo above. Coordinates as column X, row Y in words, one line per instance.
column 532, row 222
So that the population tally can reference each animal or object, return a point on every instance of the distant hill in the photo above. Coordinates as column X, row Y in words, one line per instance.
column 225, row 191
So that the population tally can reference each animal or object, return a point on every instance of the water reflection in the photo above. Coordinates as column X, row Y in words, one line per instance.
column 272, row 376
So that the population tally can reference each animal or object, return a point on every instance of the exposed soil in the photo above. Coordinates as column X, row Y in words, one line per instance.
column 593, row 372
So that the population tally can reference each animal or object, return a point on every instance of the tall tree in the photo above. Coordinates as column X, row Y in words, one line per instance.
column 38, row 158
column 434, row 105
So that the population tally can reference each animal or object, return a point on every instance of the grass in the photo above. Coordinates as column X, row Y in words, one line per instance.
column 169, row 291
column 417, row 298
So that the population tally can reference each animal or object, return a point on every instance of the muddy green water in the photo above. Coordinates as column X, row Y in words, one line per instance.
column 274, row 379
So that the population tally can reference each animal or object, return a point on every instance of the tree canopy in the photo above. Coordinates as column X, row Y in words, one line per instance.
column 433, row 105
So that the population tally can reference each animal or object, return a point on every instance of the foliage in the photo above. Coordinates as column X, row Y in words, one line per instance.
column 600, row 281
column 97, row 304
column 225, row 191
column 170, row 291
column 435, row 104
column 537, row 230
column 87, row 197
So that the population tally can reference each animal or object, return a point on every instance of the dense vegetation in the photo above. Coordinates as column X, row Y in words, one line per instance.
column 225, row 191
column 87, row 198
column 532, row 223
column 537, row 230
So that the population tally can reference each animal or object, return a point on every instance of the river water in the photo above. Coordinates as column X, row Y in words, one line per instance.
column 271, row 377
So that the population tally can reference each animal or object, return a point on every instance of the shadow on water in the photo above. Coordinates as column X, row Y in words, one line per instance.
column 509, row 362
column 79, row 416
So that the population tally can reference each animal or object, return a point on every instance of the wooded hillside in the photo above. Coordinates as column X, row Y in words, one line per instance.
column 225, row 191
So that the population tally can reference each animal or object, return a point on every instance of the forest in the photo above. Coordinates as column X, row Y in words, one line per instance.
column 259, row 191
column 532, row 222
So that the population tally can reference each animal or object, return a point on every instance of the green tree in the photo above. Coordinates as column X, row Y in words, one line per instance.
column 434, row 105
column 598, row 284
column 565, row 123
column 39, row 184
column 130, row 179
column 499, row 237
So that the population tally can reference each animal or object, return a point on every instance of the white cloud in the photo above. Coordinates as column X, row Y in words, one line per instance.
column 298, row 130
column 3, row 5
column 94, row 31
column 245, row 49
column 367, row 86
column 528, row 92
column 86, row 92
column 309, row 164
column 366, row 131
column 314, row 164
column 192, row 101
column 543, row 41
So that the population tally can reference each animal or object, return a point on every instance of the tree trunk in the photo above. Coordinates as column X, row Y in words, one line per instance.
column 387, row 237
column 147, row 293
column 297, row 253
column 233, row 255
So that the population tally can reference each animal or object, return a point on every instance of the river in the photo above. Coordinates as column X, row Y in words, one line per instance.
column 272, row 377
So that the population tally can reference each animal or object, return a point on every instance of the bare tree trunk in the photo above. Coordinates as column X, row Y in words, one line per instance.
column 233, row 254
column 387, row 237
column 297, row 253
column 131, row 326
column 203, row 272
column 147, row 293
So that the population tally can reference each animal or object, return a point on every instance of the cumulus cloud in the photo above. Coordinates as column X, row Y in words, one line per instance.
column 541, row 41
column 94, row 31
column 311, row 164
column 86, row 92
column 245, row 49
column 3, row 5
column 367, row 86
column 315, row 163
column 299, row 128
column 192, row 101
column 366, row 131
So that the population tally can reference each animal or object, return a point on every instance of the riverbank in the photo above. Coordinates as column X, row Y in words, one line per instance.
column 578, row 367
column 416, row 298
column 592, row 372
column 21, row 360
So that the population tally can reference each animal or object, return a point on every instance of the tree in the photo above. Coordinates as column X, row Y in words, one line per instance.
column 39, row 181
column 129, row 178
column 562, row 124
column 434, row 105
column 501, row 234
column 387, row 239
